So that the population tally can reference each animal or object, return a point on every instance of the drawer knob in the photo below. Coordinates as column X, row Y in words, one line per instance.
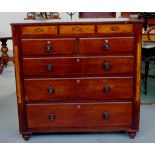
column 51, row 90
column 106, row 66
column 48, row 47
column 52, row 117
column 106, row 89
column 106, row 46
column 106, row 115
column 50, row 67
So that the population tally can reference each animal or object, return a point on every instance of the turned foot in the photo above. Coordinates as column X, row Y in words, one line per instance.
column 132, row 135
column 26, row 136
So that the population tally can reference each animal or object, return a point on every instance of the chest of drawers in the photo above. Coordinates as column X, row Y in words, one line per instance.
column 78, row 76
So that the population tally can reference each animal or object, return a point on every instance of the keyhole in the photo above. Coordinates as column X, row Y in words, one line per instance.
column 77, row 81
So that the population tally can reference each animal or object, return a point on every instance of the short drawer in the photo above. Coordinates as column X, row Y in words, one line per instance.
column 48, row 46
column 79, row 115
column 115, row 28
column 39, row 30
column 93, row 88
column 107, row 45
column 66, row 66
column 77, row 29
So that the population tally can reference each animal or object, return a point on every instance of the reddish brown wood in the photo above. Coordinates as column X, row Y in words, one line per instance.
column 74, row 66
column 35, row 30
column 97, row 14
column 107, row 45
column 39, row 46
column 115, row 28
column 16, row 36
column 79, row 89
column 79, row 115
column 26, row 136
column 125, row 14
column 101, row 129
column 92, row 82
column 77, row 29
column 132, row 134
column 137, row 79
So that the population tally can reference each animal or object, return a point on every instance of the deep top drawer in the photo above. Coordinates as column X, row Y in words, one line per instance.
column 48, row 46
column 39, row 30
column 115, row 28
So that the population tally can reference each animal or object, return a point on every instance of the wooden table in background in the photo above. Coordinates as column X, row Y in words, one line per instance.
column 4, row 37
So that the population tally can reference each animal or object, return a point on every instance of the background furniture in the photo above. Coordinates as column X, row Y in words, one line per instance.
column 148, row 54
column 97, row 14
column 78, row 76
column 4, row 57
column 149, row 19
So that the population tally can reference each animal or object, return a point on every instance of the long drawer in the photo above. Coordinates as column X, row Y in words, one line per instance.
column 93, row 88
column 79, row 115
column 78, row 66
column 48, row 46
column 107, row 45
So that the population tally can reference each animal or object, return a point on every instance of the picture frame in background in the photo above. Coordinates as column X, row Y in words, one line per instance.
column 42, row 16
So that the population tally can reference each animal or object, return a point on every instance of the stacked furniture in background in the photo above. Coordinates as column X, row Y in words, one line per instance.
column 148, row 54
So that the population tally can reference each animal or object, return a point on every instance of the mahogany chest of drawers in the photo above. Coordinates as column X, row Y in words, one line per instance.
column 78, row 76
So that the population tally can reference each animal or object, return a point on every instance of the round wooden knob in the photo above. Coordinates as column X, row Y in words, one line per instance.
column 51, row 90
column 106, row 66
column 50, row 67
column 48, row 47
column 106, row 115
column 106, row 46
column 106, row 89
column 52, row 117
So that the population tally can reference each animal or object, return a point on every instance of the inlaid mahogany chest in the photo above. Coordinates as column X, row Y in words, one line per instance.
column 81, row 76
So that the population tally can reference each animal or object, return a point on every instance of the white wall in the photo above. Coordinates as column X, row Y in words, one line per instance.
column 5, row 19
column 9, row 17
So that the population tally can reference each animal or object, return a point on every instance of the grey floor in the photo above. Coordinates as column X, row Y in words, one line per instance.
column 150, row 97
column 9, row 122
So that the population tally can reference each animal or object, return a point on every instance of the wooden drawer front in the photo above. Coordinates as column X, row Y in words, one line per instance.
column 115, row 28
column 79, row 115
column 77, row 29
column 79, row 66
column 48, row 46
column 78, row 89
column 39, row 30
column 107, row 45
